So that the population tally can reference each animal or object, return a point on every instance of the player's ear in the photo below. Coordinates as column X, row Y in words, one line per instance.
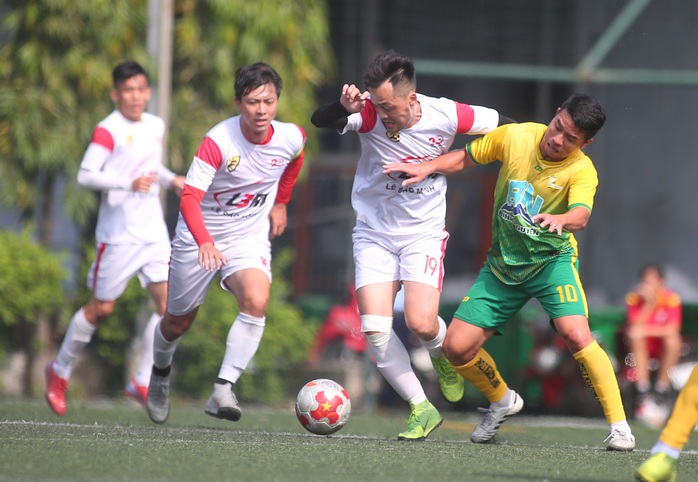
column 114, row 96
column 587, row 142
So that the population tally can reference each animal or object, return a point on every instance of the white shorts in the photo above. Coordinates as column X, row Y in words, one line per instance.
column 383, row 258
column 116, row 264
column 189, row 282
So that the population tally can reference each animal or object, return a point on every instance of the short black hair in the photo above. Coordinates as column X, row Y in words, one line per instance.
column 127, row 70
column 253, row 76
column 586, row 112
column 392, row 67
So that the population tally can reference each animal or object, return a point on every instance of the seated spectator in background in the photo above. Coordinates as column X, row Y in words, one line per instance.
column 654, row 315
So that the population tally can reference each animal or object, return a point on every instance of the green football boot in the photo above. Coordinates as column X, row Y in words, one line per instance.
column 657, row 468
column 451, row 383
column 423, row 420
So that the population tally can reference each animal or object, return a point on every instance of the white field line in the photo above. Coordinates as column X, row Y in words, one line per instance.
column 105, row 428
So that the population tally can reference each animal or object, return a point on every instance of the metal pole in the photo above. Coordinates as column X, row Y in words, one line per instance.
column 610, row 37
column 159, row 44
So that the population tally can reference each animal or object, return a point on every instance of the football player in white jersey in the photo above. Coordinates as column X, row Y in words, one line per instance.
column 400, row 237
column 234, row 202
column 124, row 162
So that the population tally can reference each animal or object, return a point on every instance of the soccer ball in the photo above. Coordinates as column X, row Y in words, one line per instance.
column 323, row 406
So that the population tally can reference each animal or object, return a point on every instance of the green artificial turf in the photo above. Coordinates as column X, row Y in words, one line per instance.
column 115, row 440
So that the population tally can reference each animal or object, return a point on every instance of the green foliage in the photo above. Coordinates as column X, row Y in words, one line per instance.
column 55, row 69
column 285, row 345
column 213, row 38
column 30, row 279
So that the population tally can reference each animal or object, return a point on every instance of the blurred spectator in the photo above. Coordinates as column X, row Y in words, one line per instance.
column 654, row 316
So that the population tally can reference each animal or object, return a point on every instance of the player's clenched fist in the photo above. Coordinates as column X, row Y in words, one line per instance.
column 352, row 99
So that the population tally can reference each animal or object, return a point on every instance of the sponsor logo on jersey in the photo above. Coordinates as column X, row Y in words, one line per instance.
column 277, row 163
column 551, row 183
column 522, row 204
column 232, row 163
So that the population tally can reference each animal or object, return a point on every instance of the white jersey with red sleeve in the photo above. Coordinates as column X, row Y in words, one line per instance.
column 120, row 151
column 240, row 181
column 378, row 199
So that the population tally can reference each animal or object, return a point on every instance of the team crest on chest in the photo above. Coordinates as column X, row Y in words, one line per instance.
column 232, row 163
column 129, row 140
column 393, row 136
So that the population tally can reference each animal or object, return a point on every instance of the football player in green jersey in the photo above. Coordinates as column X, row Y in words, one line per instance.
column 544, row 193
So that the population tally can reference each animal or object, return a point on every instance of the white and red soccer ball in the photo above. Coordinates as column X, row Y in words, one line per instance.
column 323, row 406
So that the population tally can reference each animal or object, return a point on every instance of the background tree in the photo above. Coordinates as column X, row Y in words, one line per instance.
column 30, row 287
column 213, row 38
column 55, row 69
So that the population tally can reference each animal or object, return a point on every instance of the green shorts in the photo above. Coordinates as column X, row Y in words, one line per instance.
column 490, row 303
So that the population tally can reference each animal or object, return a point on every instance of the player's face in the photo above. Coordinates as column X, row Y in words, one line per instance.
column 131, row 97
column 257, row 109
column 562, row 138
column 395, row 107
column 650, row 283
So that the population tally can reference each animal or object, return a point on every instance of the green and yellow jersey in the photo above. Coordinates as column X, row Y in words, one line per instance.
column 527, row 185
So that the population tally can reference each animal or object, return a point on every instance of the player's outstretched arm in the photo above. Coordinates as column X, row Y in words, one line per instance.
column 448, row 163
column 335, row 115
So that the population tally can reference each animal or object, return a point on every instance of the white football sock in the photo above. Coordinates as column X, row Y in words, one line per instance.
column 621, row 426
column 145, row 364
column 163, row 350
column 434, row 346
column 662, row 447
column 393, row 362
column 77, row 337
column 506, row 400
column 242, row 343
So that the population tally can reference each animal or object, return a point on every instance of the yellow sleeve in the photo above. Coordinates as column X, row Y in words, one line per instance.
column 490, row 147
column 583, row 187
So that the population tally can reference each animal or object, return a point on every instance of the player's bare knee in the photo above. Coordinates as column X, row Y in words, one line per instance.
column 457, row 354
column 97, row 310
column 161, row 310
column 175, row 326
column 424, row 332
column 577, row 340
column 254, row 305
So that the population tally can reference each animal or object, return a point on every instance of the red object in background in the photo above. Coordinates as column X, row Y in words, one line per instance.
column 626, row 357
column 342, row 322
